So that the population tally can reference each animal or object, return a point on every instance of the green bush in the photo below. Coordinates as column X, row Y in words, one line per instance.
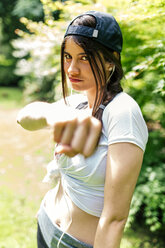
column 148, row 201
column 144, row 56
column 7, row 61
column 30, row 9
column 39, row 62
column 10, row 12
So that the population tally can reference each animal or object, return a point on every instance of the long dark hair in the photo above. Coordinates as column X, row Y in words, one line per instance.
column 108, row 88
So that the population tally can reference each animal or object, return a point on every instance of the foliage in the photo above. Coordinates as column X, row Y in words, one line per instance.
column 30, row 9
column 41, row 65
column 7, row 61
column 148, row 201
column 144, row 56
column 145, row 81
column 7, row 65
column 10, row 12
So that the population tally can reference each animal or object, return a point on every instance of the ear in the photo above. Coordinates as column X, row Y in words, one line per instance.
column 109, row 66
column 116, row 54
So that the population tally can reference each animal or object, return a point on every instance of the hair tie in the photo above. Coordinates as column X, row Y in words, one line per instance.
column 102, row 106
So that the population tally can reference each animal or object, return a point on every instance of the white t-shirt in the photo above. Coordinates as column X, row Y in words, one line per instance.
column 83, row 178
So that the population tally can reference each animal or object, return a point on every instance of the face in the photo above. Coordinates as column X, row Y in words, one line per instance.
column 77, row 68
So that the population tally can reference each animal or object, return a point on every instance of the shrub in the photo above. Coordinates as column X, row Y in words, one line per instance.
column 148, row 201
column 144, row 56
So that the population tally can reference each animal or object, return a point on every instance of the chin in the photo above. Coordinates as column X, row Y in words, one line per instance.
column 74, row 87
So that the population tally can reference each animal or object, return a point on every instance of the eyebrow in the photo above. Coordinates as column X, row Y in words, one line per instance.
column 78, row 54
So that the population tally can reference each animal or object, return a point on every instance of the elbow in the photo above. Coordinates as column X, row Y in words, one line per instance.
column 118, row 222
column 113, row 221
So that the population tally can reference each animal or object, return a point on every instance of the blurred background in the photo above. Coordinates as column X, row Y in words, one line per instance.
column 30, row 36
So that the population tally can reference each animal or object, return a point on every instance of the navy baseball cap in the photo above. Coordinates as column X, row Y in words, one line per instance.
column 106, row 32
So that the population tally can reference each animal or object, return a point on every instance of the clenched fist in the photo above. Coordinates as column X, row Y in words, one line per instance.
column 79, row 135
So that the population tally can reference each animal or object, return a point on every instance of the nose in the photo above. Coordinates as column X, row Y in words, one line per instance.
column 73, row 68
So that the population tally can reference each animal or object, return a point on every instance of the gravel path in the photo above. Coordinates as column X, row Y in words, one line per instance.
column 23, row 156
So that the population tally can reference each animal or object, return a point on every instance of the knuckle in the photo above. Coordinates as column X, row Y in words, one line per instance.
column 67, row 136
column 77, row 146
column 79, row 140
column 58, row 125
column 87, row 152
column 70, row 122
column 84, row 119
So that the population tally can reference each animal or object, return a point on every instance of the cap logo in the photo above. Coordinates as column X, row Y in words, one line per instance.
column 95, row 33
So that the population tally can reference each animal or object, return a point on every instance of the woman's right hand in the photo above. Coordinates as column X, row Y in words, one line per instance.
column 77, row 135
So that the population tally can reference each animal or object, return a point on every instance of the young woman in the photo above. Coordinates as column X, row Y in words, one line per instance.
column 101, row 137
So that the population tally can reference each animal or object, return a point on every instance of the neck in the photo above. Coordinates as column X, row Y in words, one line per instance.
column 91, row 99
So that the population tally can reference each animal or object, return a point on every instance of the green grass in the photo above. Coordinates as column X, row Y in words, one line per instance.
column 11, row 97
column 17, row 222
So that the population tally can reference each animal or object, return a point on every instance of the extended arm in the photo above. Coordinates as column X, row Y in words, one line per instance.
column 76, row 131
column 38, row 115
column 123, row 167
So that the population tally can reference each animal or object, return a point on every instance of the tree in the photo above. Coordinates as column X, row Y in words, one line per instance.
column 8, row 23
column 10, row 13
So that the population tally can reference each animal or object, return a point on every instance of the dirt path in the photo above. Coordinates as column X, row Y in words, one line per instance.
column 23, row 156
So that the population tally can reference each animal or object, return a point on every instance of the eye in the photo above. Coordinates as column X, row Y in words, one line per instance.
column 67, row 56
column 84, row 58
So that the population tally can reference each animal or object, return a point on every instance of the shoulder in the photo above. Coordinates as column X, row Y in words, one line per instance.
column 122, row 109
column 123, row 121
column 122, row 104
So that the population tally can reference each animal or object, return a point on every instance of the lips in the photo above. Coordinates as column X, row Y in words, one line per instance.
column 75, row 80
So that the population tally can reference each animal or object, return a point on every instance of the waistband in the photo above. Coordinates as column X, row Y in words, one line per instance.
column 53, row 234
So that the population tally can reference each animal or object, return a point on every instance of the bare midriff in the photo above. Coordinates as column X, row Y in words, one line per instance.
column 72, row 219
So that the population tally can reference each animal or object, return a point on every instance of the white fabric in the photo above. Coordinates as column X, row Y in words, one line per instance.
column 83, row 178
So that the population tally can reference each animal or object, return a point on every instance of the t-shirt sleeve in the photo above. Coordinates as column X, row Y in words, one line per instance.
column 125, row 123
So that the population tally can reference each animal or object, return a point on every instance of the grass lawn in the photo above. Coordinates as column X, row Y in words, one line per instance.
column 17, row 222
column 23, row 156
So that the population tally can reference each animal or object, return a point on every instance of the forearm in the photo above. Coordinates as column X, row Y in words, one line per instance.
column 40, row 115
column 33, row 116
column 109, row 234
